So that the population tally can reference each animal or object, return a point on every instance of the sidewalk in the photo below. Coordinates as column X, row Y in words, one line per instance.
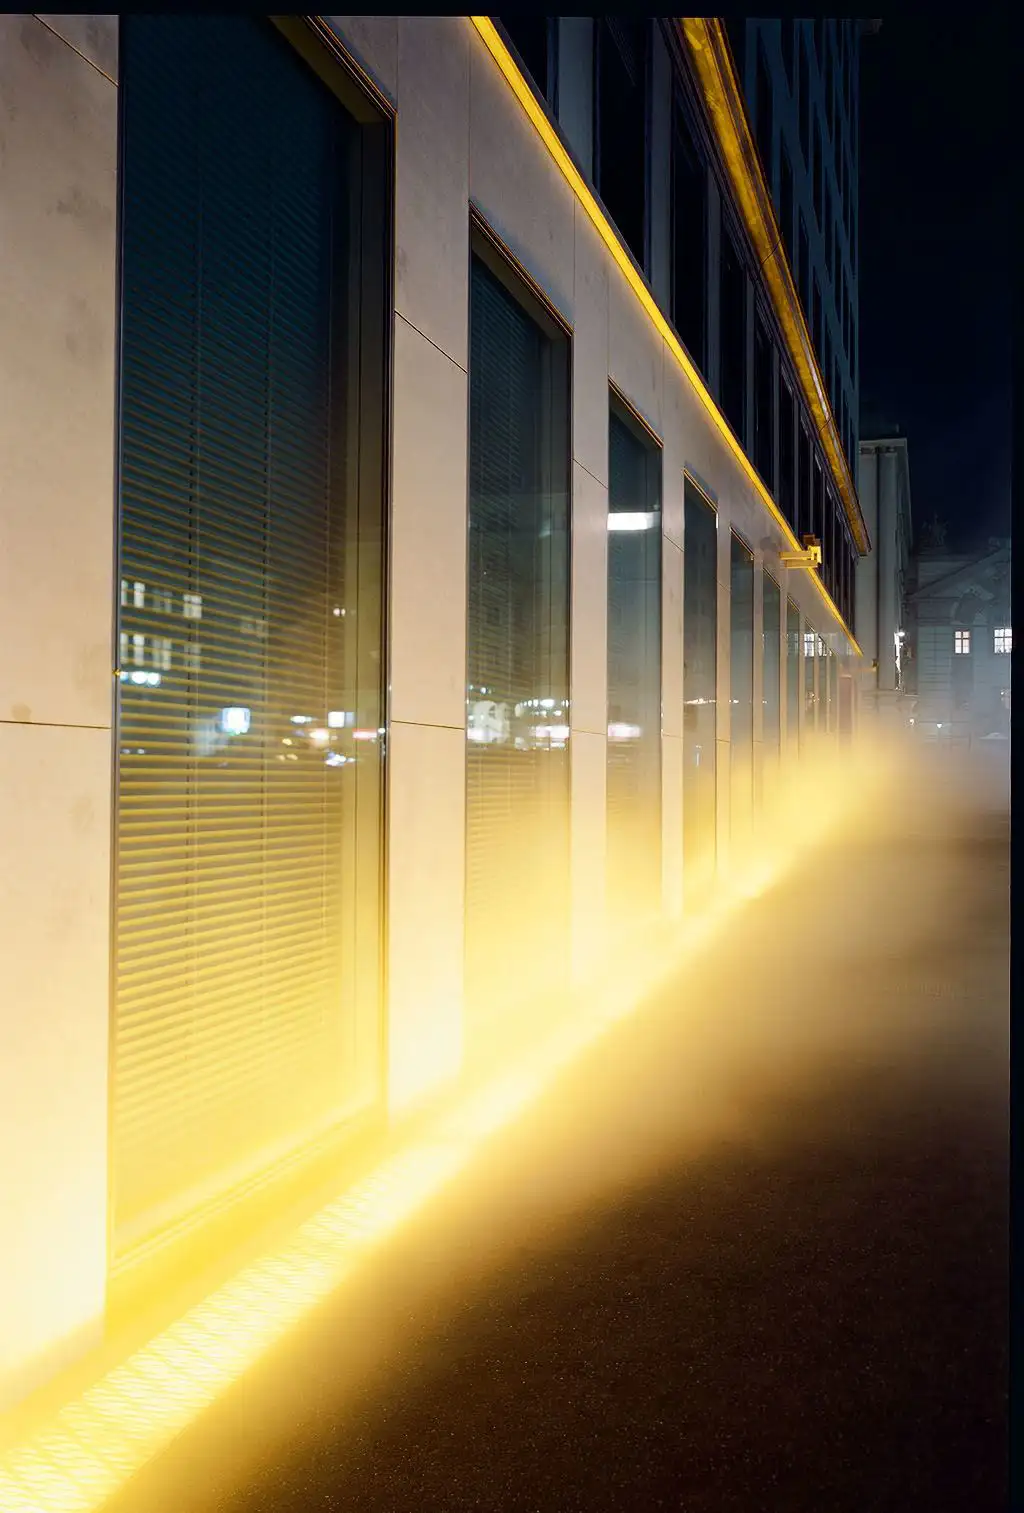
column 749, row 1252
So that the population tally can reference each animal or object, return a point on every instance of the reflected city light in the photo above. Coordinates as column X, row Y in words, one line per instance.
column 633, row 520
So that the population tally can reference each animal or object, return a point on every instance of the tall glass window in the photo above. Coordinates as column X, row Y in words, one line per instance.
column 793, row 650
column 246, row 1016
column 700, row 674
column 810, row 643
column 741, row 695
column 771, row 683
column 634, row 670
column 517, row 726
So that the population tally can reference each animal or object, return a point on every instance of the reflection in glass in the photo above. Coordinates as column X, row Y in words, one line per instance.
column 700, row 673
column 517, row 725
column 810, row 680
column 634, row 672
column 792, row 676
column 248, row 937
column 771, row 685
column 741, row 686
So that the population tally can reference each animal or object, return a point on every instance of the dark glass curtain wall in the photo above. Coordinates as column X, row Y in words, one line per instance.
column 741, row 689
column 700, row 674
column 248, row 815
column 517, row 798
column 634, row 672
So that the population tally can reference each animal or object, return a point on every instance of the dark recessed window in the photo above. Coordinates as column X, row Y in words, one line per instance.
column 787, row 452
column 533, row 38
column 764, row 406
column 804, row 261
column 803, row 502
column 789, row 40
column 736, row 31
column 805, row 103
column 621, row 48
column 517, row 762
column 786, row 199
column 763, row 116
column 816, row 332
column 819, row 173
column 830, row 91
column 733, row 335
column 818, row 504
column 689, row 239
column 819, row 37
column 633, row 773
column 827, row 228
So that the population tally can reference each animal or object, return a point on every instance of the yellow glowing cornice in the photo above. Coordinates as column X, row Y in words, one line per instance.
column 723, row 102
column 491, row 39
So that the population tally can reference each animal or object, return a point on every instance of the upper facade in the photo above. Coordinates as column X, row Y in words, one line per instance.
column 800, row 83
column 660, row 116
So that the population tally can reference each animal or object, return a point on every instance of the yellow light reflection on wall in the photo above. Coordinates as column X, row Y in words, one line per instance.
column 91, row 1447
column 610, row 237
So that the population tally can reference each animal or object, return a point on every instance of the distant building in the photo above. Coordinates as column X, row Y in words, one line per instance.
column 883, row 575
column 960, row 636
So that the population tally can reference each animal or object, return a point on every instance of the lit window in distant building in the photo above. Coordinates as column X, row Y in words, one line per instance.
column 962, row 642
column 162, row 652
column 192, row 606
column 124, row 647
column 139, row 595
column 126, row 593
column 163, row 601
column 809, row 639
column 1003, row 639
column 138, row 649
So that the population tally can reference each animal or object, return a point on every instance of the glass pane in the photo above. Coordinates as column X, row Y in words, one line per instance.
column 700, row 674
column 634, row 673
column 517, row 723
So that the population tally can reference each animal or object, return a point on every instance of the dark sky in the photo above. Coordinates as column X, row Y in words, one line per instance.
column 934, row 263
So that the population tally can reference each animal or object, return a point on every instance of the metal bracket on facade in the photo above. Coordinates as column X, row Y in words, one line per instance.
column 809, row 557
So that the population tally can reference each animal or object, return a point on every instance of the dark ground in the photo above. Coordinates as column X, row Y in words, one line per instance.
column 753, row 1256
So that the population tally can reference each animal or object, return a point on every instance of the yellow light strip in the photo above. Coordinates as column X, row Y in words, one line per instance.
column 524, row 94
column 723, row 100
column 90, row 1447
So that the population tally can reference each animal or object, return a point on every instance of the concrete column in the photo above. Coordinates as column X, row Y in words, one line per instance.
column 58, row 257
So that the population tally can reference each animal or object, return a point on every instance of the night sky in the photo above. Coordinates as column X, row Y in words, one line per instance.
column 934, row 269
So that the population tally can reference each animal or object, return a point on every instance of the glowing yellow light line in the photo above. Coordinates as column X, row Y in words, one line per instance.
column 92, row 1446
column 524, row 94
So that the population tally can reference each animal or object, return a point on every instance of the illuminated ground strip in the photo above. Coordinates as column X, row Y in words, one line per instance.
column 94, row 1445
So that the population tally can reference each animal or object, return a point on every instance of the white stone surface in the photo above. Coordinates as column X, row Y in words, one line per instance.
column 587, row 849
column 95, row 37
column 432, row 181
column 589, row 633
column 373, row 42
column 58, row 128
column 54, row 1024
column 428, row 535
column 671, row 638
column 426, row 908
column 515, row 185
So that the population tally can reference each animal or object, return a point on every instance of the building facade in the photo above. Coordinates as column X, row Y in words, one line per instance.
column 409, row 426
column 960, row 637
column 883, row 577
column 801, row 82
